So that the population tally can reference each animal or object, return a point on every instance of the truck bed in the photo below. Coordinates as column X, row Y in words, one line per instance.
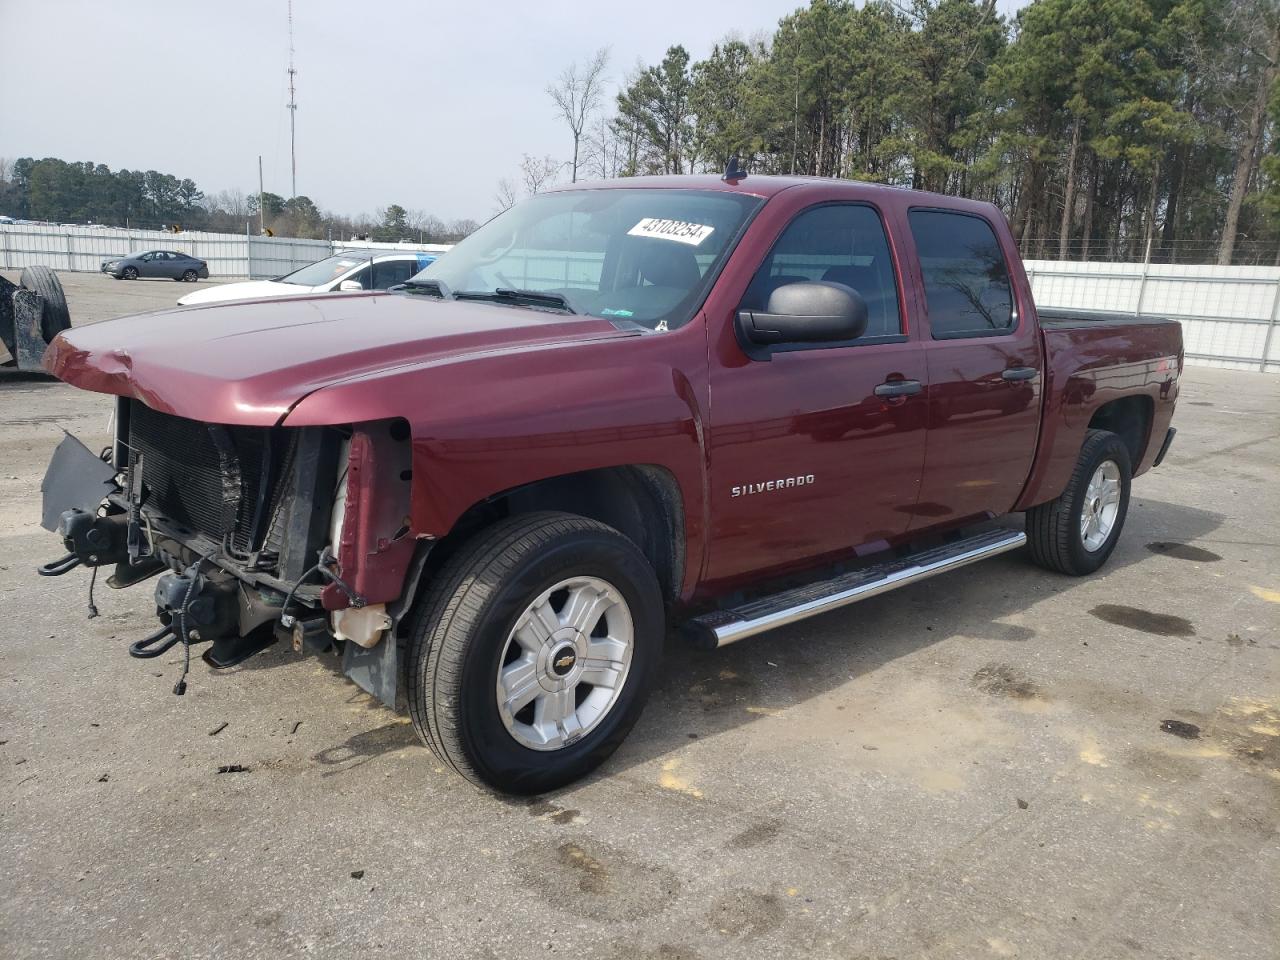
column 1093, row 358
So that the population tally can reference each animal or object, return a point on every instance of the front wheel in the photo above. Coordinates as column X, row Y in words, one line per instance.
column 129, row 273
column 534, row 651
column 1076, row 533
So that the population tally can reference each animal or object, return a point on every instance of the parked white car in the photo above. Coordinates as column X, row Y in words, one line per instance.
column 350, row 270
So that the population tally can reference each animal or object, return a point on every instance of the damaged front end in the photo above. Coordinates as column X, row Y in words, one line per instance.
column 257, row 533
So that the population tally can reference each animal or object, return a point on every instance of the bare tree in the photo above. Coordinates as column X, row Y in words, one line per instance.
column 234, row 202
column 460, row 229
column 507, row 194
column 606, row 152
column 1264, row 64
column 433, row 228
column 576, row 94
column 538, row 174
column 424, row 225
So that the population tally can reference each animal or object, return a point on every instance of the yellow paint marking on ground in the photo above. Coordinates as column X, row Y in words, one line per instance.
column 792, row 891
column 1252, row 707
column 1146, row 800
column 1262, row 593
column 1001, row 948
column 765, row 711
column 669, row 780
column 1092, row 754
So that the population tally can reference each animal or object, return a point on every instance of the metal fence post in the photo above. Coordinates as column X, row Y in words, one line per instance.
column 1271, row 329
column 71, row 257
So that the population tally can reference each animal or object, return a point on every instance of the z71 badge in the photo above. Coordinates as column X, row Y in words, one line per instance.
column 769, row 486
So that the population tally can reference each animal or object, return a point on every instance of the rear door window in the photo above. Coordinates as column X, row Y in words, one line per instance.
column 966, row 281
column 390, row 272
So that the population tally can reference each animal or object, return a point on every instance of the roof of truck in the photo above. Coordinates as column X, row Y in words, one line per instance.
column 761, row 185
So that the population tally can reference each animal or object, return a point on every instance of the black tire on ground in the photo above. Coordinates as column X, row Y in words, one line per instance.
column 460, row 636
column 190, row 276
column 56, row 317
column 129, row 273
column 1053, row 528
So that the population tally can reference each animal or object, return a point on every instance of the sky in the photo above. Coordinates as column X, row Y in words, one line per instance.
column 424, row 104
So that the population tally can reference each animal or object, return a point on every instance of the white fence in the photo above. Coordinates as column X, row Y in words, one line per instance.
column 229, row 255
column 1229, row 314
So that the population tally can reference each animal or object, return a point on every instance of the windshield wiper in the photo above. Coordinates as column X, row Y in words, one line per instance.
column 536, row 298
column 434, row 288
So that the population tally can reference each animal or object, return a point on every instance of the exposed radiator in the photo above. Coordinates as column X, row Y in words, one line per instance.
column 208, row 478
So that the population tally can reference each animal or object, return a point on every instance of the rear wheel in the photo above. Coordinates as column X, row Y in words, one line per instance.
column 534, row 651
column 1076, row 533
column 190, row 276
column 55, row 316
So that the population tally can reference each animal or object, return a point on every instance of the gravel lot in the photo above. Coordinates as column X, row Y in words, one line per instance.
column 967, row 768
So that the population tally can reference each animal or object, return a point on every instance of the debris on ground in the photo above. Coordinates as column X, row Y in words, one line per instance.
column 1179, row 728
column 233, row 768
column 218, row 729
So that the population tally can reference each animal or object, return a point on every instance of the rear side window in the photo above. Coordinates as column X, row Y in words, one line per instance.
column 841, row 243
column 966, row 283
column 388, row 273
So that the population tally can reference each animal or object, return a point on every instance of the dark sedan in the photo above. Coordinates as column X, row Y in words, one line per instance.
column 157, row 264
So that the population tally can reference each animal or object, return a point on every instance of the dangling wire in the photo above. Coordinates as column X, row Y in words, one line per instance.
column 193, row 572
column 93, row 609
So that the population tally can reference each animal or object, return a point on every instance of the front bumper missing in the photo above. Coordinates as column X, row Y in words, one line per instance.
column 97, row 520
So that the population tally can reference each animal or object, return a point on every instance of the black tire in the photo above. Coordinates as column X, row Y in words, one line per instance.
column 56, row 317
column 190, row 276
column 129, row 273
column 1053, row 528
column 460, row 635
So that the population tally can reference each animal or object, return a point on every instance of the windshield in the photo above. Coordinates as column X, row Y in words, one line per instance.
column 322, row 271
column 639, row 255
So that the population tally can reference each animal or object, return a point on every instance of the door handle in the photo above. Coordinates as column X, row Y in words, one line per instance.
column 899, row 388
column 1019, row 373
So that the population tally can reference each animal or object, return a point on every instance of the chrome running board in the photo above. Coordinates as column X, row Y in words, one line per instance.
column 722, row 627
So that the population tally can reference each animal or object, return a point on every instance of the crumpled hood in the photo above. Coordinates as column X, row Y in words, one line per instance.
column 248, row 290
column 249, row 362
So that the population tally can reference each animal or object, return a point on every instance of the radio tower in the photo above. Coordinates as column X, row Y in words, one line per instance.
column 293, row 113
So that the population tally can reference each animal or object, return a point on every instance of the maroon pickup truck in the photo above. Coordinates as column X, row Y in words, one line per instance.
column 720, row 403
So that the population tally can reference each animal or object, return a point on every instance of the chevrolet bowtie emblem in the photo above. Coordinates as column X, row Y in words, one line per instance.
column 565, row 661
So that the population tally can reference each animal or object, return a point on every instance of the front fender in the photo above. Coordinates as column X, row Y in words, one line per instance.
column 483, row 425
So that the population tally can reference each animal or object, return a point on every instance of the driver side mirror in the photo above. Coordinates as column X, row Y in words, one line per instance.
column 351, row 285
column 810, row 311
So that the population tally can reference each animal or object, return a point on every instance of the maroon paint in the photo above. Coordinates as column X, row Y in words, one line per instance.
column 497, row 397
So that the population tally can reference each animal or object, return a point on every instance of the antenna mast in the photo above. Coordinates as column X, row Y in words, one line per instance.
column 293, row 112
